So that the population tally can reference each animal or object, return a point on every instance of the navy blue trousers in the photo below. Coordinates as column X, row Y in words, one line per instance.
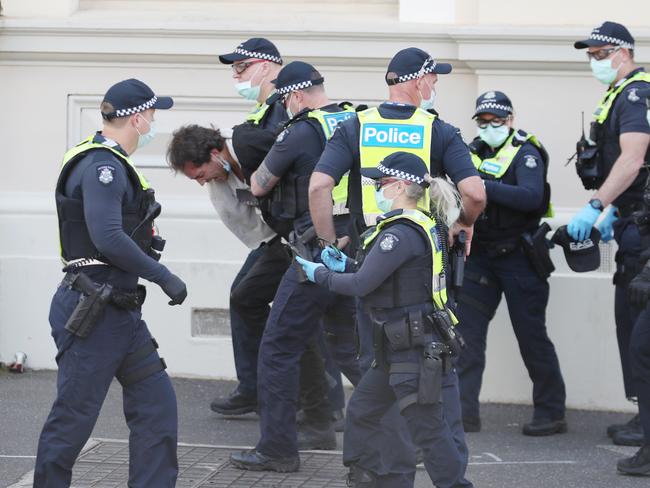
column 86, row 368
column 486, row 280
column 391, row 455
column 250, row 295
column 626, row 234
column 295, row 319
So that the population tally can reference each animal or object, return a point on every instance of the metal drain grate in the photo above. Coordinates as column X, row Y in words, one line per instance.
column 105, row 464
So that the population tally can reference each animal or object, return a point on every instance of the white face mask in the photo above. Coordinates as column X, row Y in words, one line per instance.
column 289, row 112
column 427, row 103
column 247, row 90
column 494, row 136
column 144, row 139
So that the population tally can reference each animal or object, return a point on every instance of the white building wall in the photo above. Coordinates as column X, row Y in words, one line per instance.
column 56, row 63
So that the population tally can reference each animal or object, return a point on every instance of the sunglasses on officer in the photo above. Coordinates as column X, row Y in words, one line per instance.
column 602, row 53
column 385, row 181
column 495, row 122
column 239, row 68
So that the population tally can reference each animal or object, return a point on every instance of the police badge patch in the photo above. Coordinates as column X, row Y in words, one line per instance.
column 105, row 174
column 632, row 96
column 388, row 242
column 282, row 135
column 530, row 162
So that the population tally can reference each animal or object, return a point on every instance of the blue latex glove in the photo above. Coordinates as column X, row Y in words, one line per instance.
column 605, row 224
column 580, row 225
column 309, row 267
column 333, row 259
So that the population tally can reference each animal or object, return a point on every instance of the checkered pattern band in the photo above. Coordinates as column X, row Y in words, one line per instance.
column 416, row 74
column 611, row 40
column 491, row 105
column 253, row 54
column 134, row 110
column 400, row 174
column 296, row 86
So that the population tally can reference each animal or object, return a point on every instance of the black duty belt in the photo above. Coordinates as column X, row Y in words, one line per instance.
column 126, row 300
column 626, row 211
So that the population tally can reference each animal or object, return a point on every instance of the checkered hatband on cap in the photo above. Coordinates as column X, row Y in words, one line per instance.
column 611, row 40
column 491, row 105
column 400, row 174
column 427, row 67
column 296, row 86
column 134, row 110
column 256, row 55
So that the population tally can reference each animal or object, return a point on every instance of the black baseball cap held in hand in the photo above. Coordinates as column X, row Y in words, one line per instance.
column 254, row 48
column 131, row 96
column 412, row 63
column 406, row 166
column 606, row 34
column 296, row 75
column 581, row 256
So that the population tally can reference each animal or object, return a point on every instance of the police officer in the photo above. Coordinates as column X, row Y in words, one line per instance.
column 255, row 63
column 610, row 162
column 639, row 289
column 106, row 210
column 298, row 306
column 513, row 165
column 401, row 284
column 404, row 123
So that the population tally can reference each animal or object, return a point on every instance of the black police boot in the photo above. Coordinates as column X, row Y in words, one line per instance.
column 360, row 478
column 253, row 460
column 316, row 437
column 472, row 424
column 633, row 423
column 235, row 404
column 639, row 464
column 631, row 437
column 543, row 427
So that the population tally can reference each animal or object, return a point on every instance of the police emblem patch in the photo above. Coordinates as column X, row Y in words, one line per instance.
column 282, row 135
column 632, row 96
column 105, row 174
column 388, row 242
column 489, row 95
column 530, row 162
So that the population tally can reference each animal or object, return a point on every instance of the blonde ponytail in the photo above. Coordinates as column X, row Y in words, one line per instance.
column 446, row 202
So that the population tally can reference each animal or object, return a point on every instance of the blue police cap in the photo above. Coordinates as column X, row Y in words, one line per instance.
column 406, row 166
column 412, row 63
column 131, row 96
column 257, row 48
column 295, row 76
column 493, row 102
column 608, row 33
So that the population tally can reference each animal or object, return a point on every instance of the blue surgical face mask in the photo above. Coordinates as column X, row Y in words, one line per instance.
column 290, row 114
column 494, row 136
column 246, row 90
column 384, row 204
column 144, row 139
column 427, row 103
column 603, row 71
column 225, row 164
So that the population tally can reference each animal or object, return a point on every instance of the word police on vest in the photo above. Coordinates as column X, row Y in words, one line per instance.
column 392, row 135
column 581, row 256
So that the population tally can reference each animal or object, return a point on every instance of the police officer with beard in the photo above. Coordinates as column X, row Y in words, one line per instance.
column 611, row 161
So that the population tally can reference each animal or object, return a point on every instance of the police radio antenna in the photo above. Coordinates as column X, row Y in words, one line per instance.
column 583, row 138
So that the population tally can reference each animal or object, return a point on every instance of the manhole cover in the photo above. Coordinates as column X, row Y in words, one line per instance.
column 105, row 464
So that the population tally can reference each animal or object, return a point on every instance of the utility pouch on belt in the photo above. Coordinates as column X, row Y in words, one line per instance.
column 397, row 332
column 432, row 367
column 88, row 310
column 536, row 248
column 299, row 247
column 445, row 329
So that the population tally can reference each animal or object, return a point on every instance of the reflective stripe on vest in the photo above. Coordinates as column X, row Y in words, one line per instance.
column 497, row 165
column 329, row 121
column 428, row 225
column 257, row 114
column 380, row 137
column 605, row 105
column 88, row 144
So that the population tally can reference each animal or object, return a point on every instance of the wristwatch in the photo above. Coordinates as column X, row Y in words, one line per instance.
column 596, row 204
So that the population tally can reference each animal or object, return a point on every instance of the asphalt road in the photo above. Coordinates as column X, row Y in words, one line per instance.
column 500, row 456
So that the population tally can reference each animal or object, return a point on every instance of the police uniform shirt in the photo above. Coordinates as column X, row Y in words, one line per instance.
column 628, row 114
column 297, row 149
column 528, row 191
column 274, row 117
column 448, row 151
column 242, row 220
column 394, row 246
column 102, row 182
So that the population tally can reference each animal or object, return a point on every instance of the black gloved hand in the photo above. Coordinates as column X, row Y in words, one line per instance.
column 175, row 289
column 639, row 288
